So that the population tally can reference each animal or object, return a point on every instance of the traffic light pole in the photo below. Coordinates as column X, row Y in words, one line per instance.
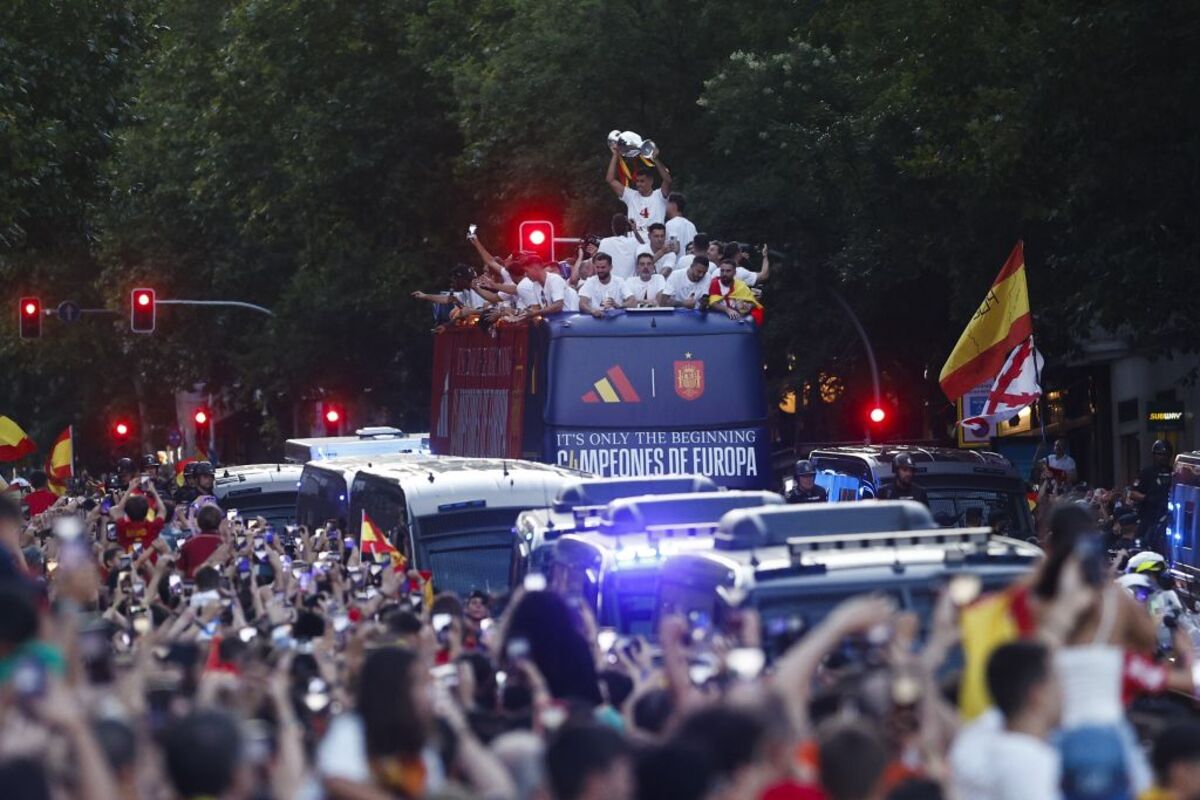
column 231, row 303
column 862, row 334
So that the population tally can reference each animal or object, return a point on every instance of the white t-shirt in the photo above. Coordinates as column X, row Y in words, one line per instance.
column 1066, row 463
column 624, row 252
column 667, row 262
column 988, row 762
column 343, row 754
column 645, row 291
column 680, row 287
column 684, row 232
column 597, row 292
column 470, row 298
column 571, row 300
column 532, row 293
column 644, row 210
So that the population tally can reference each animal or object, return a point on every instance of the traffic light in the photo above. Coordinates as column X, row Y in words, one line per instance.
column 332, row 415
column 537, row 237
column 141, row 310
column 30, row 313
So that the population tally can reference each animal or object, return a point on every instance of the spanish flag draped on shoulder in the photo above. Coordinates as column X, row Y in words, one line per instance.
column 14, row 442
column 60, row 463
column 1000, row 323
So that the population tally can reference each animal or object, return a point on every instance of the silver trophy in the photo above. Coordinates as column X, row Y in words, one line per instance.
column 630, row 145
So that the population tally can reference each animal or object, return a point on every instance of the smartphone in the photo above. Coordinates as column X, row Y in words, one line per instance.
column 517, row 649
column 606, row 638
column 231, row 514
column 746, row 662
column 29, row 681
column 441, row 622
column 247, row 634
column 175, row 585
column 535, row 582
column 964, row 589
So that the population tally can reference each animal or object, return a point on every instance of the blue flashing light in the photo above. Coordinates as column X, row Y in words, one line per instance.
column 342, row 497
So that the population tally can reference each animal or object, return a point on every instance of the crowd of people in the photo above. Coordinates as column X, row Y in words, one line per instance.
column 1133, row 518
column 654, row 257
column 154, row 646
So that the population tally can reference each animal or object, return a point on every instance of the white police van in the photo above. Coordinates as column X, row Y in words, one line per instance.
column 259, row 490
column 454, row 516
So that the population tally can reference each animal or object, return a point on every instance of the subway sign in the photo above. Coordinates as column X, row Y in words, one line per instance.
column 1168, row 416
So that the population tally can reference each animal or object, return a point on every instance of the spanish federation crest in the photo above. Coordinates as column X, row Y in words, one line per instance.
column 689, row 378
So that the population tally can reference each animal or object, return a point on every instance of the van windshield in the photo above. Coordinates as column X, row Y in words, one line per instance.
column 468, row 550
column 977, row 507
column 322, row 497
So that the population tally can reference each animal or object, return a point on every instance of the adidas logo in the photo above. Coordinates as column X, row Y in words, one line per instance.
column 613, row 388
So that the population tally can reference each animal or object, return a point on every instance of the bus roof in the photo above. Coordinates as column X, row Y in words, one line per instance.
column 762, row 527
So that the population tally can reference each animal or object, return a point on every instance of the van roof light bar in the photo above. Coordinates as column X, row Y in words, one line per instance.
column 943, row 537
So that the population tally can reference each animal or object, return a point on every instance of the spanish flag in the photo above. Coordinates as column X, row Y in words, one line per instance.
column 14, row 443
column 372, row 542
column 60, row 464
column 179, row 466
column 1000, row 323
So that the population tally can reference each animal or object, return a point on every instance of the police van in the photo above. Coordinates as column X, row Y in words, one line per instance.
column 365, row 442
column 614, row 566
column 580, row 505
column 795, row 564
column 454, row 516
column 964, row 486
column 1183, row 534
column 324, row 487
column 259, row 490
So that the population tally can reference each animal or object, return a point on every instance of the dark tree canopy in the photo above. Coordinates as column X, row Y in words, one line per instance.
column 323, row 158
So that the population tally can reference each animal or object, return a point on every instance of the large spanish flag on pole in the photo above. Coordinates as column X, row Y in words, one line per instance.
column 14, row 443
column 60, row 463
column 1000, row 323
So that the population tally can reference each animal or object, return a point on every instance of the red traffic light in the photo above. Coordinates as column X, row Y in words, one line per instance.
column 142, row 307
column 537, row 236
column 878, row 415
column 332, row 415
column 201, row 417
column 29, row 310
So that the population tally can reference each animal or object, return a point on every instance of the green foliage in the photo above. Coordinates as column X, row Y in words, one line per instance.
column 322, row 157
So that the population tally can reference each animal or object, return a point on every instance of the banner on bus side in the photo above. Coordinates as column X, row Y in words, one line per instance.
column 733, row 457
